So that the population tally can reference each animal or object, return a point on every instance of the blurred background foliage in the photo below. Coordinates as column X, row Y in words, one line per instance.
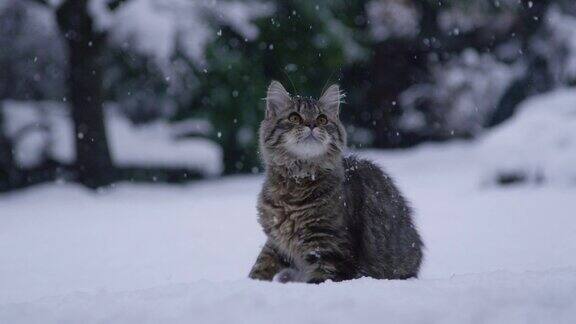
column 413, row 70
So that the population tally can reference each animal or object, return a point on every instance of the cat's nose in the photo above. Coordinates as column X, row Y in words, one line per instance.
column 311, row 125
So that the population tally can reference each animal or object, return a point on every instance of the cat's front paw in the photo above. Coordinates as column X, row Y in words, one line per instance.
column 287, row 275
column 318, row 276
column 316, row 281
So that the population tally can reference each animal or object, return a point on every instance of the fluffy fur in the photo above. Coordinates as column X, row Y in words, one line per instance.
column 325, row 216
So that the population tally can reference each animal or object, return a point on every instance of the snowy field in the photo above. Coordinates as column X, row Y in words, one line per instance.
column 156, row 254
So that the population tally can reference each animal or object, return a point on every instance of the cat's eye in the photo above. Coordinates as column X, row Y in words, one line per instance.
column 321, row 120
column 295, row 118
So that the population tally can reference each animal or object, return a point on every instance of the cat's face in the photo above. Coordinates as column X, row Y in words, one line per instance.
column 297, row 128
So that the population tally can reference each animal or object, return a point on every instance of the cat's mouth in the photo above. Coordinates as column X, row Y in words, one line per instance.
column 309, row 146
column 310, row 138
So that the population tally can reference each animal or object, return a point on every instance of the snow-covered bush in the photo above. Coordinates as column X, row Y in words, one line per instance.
column 393, row 18
column 32, row 58
column 158, row 144
column 465, row 16
column 43, row 130
column 38, row 130
column 538, row 144
column 461, row 97
column 160, row 28
column 557, row 44
column 158, row 48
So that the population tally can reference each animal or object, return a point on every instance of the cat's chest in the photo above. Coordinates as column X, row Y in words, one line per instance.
column 286, row 214
column 287, row 225
column 282, row 219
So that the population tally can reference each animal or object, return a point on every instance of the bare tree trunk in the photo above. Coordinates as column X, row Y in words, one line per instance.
column 84, row 44
column 397, row 65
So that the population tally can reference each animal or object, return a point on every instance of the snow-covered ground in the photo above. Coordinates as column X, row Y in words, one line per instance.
column 155, row 254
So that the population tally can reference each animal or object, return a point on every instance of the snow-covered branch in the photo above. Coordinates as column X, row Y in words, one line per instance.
column 157, row 28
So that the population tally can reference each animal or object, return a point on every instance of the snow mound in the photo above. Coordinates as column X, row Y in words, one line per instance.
column 38, row 130
column 154, row 144
column 43, row 130
column 538, row 144
column 499, row 297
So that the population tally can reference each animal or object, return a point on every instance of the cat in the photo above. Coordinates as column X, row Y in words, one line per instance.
column 326, row 217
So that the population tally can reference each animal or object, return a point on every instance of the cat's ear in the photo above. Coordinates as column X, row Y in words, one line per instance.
column 331, row 99
column 277, row 99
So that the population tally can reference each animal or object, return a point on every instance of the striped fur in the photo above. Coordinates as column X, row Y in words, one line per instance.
column 327, row 217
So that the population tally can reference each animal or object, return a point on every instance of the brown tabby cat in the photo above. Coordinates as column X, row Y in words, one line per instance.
column 326, row 217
